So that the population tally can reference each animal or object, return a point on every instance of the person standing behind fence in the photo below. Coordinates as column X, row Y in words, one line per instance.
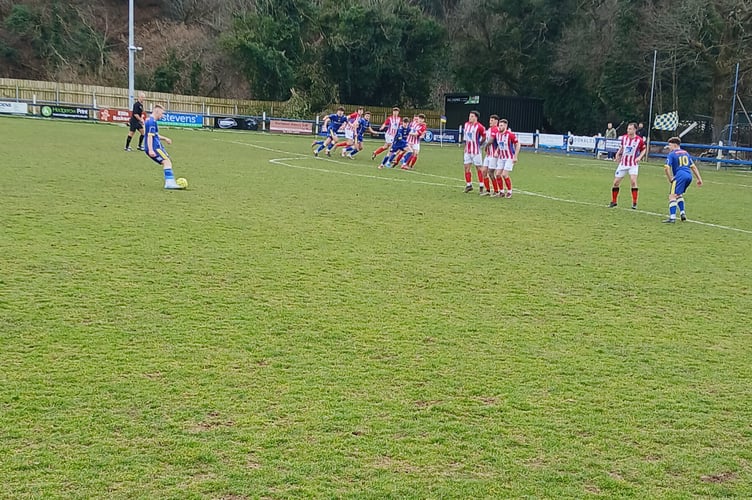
column 679, row 169
column 610, row 134
column 137, row 123
column 631, row 151
column 610, row 131
column 641, row 131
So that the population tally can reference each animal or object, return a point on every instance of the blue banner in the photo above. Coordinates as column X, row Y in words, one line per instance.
column 182, row 120
column 435, row 136
column 607, row 145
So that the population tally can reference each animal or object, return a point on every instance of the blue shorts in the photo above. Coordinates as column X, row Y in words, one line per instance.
column 161, row 155
column 398, row 146
column 680, row 184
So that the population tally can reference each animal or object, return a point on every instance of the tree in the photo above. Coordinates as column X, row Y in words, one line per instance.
column 381, row 54
column 269, row 46
column 508, row 47
column 704, row 38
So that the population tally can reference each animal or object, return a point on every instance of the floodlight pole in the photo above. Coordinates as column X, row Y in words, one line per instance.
column 131, row 55
column 650, row 112
column 733, row 105
column 132, row 49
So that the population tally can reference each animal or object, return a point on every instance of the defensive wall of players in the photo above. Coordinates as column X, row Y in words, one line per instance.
column 109, row 104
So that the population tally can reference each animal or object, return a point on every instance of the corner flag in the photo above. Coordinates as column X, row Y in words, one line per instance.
column 667, row 121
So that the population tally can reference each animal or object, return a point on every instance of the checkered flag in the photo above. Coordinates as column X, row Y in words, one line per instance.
column 667, row 121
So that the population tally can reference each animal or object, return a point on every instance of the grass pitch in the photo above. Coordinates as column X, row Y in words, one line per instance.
column 294, row 327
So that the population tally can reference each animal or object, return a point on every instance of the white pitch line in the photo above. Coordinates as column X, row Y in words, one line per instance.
column 605, row 167
column 281, row 161
column 299, row 156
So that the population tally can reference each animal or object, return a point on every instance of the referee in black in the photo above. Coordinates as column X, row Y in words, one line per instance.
column 137, row 123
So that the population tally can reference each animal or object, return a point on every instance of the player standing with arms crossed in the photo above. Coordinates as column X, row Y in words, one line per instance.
column 631, row 151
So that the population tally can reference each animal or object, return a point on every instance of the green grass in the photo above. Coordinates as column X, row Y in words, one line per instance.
column 314, row 328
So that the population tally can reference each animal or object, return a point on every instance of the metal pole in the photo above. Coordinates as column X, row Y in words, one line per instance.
column 733, row 105
column 650, row 113
column 131, row 55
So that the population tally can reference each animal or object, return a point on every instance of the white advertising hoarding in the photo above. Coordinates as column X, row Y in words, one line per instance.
column 20, row 108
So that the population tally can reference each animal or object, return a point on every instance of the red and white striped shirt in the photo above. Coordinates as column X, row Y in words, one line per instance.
column 507, row 143
column 352, row 121
column 417, row 130
column 491, row 146
column 473, row 135
column 631, row 147
column 393, row 123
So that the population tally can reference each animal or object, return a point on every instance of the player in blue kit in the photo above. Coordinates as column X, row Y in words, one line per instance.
column 399, row 145
column 364, row 125
column 679, row 169
column 154, row 148
column 332, row 124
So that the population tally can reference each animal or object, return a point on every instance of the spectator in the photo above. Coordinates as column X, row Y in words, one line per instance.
column 641, row 130
column 610, row 131
column 610, row 134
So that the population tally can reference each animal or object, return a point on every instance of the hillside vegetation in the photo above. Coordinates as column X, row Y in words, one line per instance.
column 591, row 61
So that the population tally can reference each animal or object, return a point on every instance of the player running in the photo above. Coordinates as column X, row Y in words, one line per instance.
column 363, row 127
column 416, row 134
column 332, row 124
column 631, row 151
column 351, row 130
column 391, row 124
column 399, row 145
column 679, row 169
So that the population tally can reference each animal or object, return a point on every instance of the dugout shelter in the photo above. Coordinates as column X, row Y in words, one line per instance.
column 525, row 114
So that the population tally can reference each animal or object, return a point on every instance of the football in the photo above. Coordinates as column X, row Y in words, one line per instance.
column 182, row 182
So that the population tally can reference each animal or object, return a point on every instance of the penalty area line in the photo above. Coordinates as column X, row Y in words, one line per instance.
column 300, row 156
column 283, row 161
